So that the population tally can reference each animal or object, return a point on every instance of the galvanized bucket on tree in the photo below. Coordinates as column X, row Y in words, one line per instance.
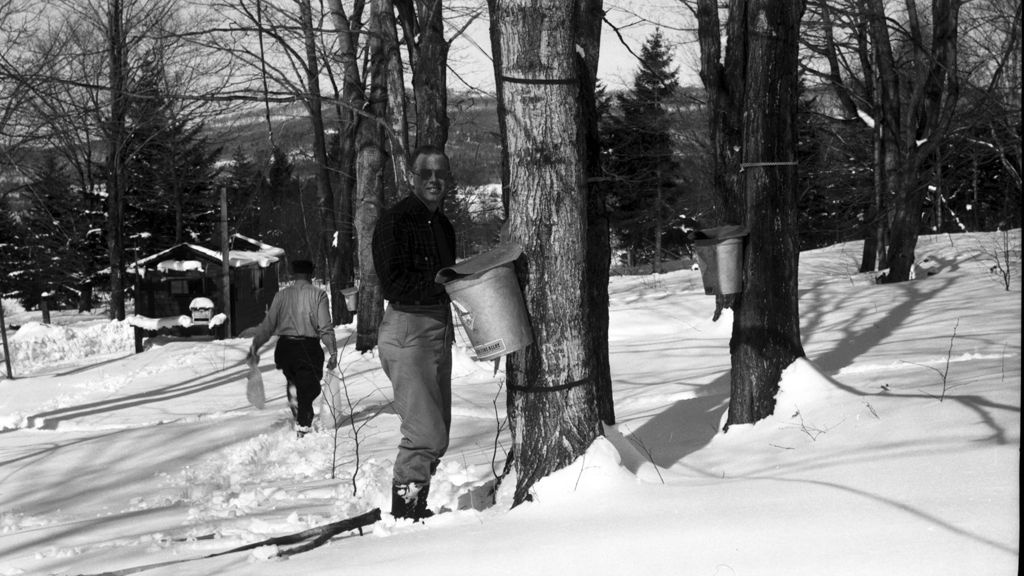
column 720, row 257
column 486, row 296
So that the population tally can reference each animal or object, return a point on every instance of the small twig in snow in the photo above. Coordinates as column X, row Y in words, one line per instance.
column 944, row 374
column 948, row 354
column 811, row 431
column 1002, row 366
column 638, row 442
column 583, row 466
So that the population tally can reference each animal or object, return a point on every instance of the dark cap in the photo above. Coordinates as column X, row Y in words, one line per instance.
column 302, row 267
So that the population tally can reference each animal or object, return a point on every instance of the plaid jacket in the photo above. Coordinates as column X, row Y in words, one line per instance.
column 406, row 255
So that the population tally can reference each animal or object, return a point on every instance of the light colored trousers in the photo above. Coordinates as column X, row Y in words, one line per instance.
column 416, row 354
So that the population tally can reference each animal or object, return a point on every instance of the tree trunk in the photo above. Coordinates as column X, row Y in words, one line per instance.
column 873, row 255
column 766, row 326
column 887, row 118
column 118, row 51
column 930, row 107
column 44, row 308
column 494, row 33
column 179, row 212
column 598, row 233
column 343, row 270
column 430, row 77
column 752, row 110
column 85, row 297
column 370, row 189
column 324, row 192
column 656, row 261
column 724, row 98
column 835, row 77
column 351, row 101
column 398, row 138
column 552, row 397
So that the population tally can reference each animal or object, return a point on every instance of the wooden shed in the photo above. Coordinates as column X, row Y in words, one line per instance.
column 166, row 283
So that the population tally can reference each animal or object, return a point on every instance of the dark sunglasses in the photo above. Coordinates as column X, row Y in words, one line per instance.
column 427, row 173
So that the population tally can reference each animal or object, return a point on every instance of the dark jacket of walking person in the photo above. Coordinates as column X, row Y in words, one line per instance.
column 411, row 243
column 300, row 317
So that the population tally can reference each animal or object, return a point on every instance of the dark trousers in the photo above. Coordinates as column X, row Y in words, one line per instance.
column 302, row 361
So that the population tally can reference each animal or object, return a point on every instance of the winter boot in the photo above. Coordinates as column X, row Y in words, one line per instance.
column 421, row 503
column 410, row 501
column 403, row 500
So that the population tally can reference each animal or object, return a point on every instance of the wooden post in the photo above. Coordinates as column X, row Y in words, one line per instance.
column 226, row 266
column 44, row 307
column 3, row 336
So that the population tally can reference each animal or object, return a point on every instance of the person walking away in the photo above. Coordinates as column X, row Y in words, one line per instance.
column 411, row 243
column 300, row 317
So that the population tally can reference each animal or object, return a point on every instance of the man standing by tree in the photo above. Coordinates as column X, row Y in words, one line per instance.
column 301, row 318
column 411, row 243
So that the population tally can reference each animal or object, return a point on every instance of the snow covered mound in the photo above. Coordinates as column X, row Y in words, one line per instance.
column 598, row 471
column 36, row 345
column 802, row 383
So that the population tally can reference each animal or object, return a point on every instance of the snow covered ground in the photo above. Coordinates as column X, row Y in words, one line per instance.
column 895, row 447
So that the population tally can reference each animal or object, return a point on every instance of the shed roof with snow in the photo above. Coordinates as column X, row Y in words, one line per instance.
column 168, row 281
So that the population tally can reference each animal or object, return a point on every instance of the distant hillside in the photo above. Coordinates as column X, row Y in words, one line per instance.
column 473, row 139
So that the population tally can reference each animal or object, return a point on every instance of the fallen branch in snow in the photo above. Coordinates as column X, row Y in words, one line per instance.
column 309, row 539
column 811, row 431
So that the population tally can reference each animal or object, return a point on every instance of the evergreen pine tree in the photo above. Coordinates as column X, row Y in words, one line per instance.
column 273, row 197
column 14, row 258
column 170, row 165
column 55, row 245
column 289, row 209
column 245, row 184
column 640, row 156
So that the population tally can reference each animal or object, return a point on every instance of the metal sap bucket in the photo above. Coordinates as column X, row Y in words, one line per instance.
column 486, row 296
column 720, row 257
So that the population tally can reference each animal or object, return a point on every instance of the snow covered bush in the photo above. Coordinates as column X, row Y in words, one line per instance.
column 11, row 306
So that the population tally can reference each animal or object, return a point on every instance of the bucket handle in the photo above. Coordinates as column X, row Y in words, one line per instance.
column 464, row 314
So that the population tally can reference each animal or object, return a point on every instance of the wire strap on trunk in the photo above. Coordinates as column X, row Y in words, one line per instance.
column 540, row 81
column 558, row 388
column 745, row 165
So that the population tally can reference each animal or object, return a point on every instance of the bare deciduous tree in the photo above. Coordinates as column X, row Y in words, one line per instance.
column 553, row 399
column 589, row 15
column 897, row 67
column 752, row 108
column 370, row 164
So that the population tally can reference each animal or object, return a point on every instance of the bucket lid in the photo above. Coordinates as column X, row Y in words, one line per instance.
column 498, row 256
column 714, row 235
